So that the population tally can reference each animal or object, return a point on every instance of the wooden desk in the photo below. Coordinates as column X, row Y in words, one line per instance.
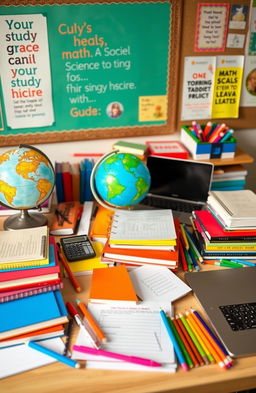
column 58, row 378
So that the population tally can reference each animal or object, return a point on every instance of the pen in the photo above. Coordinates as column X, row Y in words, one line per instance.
column 91, row 321
column 72, row 278
column 114, row 355
column 82, row 324
column 68, row 335
column 55, row 355
column 62, row 215
column 177, row 349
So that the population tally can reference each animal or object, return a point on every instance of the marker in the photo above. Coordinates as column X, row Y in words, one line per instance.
column 82, row 324
column 207, row 130
column 114, row 355
column 91, row 321
column 72, row 278
column 55, row 355
column 217, row 130
column 227, row 135
column 243, row 262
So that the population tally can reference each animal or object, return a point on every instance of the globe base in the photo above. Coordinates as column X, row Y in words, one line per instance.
column 24, row 220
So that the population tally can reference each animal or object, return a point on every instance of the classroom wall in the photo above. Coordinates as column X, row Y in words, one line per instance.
column 247, row 142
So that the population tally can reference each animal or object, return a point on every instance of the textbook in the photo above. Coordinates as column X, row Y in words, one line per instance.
column 112, row 285
column 138, row 149
column 66, row 218
column 207, row 224
column 167, row 149
column 235, row 208
column 27, row 245
column 32, row 313
column 154, row 227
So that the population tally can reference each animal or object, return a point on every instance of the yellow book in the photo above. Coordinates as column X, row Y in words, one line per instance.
column 86, row 266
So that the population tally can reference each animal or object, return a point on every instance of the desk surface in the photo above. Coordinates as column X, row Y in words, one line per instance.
column 58, row 378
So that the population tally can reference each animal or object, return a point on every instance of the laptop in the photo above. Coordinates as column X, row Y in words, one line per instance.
column 178, row 184
column 229, row 300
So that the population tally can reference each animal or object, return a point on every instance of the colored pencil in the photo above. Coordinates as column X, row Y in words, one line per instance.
column 55, row 355
column 176, row 347
column 198, row 357
column 189, row 261
column 182, row 257
column 72, row 278
column 194, row 339
column 215, row 342
column 213, row 355
column 192, row 244
column 185, row 343
column 247, row 263
column 193, row 259
column 184, row 237
column 181, row 343
column 91, row 321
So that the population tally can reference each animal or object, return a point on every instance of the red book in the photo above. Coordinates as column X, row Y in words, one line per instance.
column 167, row 149
column 67, row 181
column 215, row 232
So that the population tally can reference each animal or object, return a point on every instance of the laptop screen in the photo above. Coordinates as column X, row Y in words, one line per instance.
column 177, row 178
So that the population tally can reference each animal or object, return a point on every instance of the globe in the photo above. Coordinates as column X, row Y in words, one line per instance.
column 26, row 181
column 120, row 180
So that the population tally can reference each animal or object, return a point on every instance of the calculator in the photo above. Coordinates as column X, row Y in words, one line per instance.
column 77, row 248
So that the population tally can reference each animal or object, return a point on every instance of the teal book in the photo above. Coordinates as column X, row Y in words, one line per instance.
column 32, row 313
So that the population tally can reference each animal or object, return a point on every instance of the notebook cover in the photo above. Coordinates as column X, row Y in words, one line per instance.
column 112, row 285
column 32, row 313
column 101, row 223
column 60, row 226
column 215, row 231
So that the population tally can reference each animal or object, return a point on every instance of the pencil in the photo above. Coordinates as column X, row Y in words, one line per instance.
column 214, row 341
column 176, row 346
column 182, row 257
column 91, row 321
column 194, row 260
column 191, row 360
column 184, row 237
column 192, row 244
column 199, row 360
column 188, row 259
column 72, row 278
column 194, row 339
column 201, row 338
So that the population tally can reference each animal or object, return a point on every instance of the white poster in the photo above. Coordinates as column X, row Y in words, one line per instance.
column 25, row 71
column 198, row 87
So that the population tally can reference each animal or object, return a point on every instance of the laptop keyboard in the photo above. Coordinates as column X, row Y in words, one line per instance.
column 240, row 316
column 163, row 203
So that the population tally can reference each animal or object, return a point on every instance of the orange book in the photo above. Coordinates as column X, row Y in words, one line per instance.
column 101, row 224
column 75, row 170
column 112, row 285
column 65, row 218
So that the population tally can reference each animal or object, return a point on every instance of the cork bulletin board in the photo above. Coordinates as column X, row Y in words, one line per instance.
column 233, row 18
column 78, row 70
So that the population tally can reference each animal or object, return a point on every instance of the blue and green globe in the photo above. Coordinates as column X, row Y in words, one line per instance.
column 121, row 179
column 26, row 177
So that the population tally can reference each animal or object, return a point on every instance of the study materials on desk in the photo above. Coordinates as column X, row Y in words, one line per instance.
column 132, row 330
column 167, row 149
column 112, row 285
column 235, row 209
column 154, row 227
column 65, row 218
column 27, row 245
column 138, row 149
column 32, row 313
column 18, row 359
column 86, row 166
column 158, row 284
column 86, row 266
column 101, row 224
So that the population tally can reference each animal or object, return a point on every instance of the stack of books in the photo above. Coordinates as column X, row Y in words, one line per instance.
column 143, row 237
column 73, row 181
column 30, row 283
column 227, row 229
column 229, row 178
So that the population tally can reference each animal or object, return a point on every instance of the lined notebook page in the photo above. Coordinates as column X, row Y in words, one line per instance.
column 142, row 225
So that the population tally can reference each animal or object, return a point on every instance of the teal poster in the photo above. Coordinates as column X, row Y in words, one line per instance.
column 76, row 67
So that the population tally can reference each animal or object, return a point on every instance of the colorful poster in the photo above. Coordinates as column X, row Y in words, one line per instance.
column 248, row 95
column 198, row 87
column 227, row 86
column 25, row 71
column 235, row 41
column 238, row 16
column 212, row 23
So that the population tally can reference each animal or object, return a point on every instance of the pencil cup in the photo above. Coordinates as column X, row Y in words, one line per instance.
column 205, row 150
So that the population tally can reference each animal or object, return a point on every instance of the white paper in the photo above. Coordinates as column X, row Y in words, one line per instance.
column 135, row 331
column 20, row 358
column 158, row 284
column 25, row 71
column 84, row 224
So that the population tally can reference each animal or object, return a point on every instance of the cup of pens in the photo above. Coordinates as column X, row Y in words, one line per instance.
column 212, row 140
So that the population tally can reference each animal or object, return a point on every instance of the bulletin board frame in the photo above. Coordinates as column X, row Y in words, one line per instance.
column 247, row 115
column 58, row 133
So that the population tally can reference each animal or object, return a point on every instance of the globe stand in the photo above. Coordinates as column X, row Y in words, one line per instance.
column 25, row 220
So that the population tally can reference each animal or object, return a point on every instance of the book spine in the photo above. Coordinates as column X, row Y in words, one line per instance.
column 30, row 292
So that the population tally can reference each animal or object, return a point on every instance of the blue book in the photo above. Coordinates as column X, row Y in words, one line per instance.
column 32, row 313
column 59, row 183
column 88, row 170
column 82, row 179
